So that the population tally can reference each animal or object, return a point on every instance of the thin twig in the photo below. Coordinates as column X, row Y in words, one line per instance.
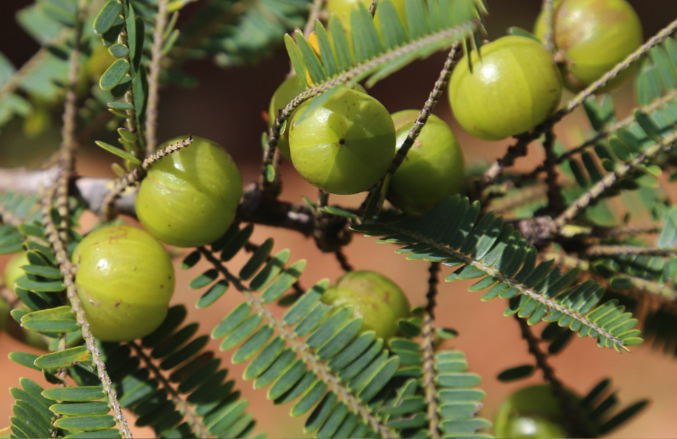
column 528, row 195
column 609, row 180
column 195, row 422
column 548, row 22
column 576, row 418
column 137, row 174
column 628, row 250
column 343, row 260
column 154, row 76
column 519, row 149
column 555, row 198
column 300, row 348
column 67, row 270
column 428, row 332
column 605, row 232
column 314, row 13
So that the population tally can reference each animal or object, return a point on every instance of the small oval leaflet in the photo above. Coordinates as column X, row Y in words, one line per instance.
column 107, row 16
column 516, row 373
column 114, row 75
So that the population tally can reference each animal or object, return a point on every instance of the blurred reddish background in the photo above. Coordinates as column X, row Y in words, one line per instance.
column 227, row 107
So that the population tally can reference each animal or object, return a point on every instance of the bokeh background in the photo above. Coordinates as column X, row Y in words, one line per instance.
column 227, row 107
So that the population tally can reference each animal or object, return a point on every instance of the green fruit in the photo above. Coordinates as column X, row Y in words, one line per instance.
column 532, row 412
column 125, row 280
column 366, row 282
column 375, row 298
column 285, row 93
column 288, row 90
column 13, row 270
column 514, row 87
column 433, row 168
column 345, row 145
column 594, row 35
column 189, row 198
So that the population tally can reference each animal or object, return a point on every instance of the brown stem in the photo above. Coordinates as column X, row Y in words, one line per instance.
column 428, row 332
column 154, row 77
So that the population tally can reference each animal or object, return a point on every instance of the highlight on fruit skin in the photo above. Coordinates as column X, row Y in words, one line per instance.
column 593, row 36
column 125, row 280
column 189, row 198
column 378, row 300
column 514, row 87
column 345, row 145
column 433, row 168
column 531, row 412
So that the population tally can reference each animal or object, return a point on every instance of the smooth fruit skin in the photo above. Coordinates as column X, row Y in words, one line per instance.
column 373, row 297
column 189, row 198
column 433, row 168
column 125, row 280
column 514, row 87
column 288, row 90
column 13, row 270
column 595, row 35
column 345, row 145
column 531, row 412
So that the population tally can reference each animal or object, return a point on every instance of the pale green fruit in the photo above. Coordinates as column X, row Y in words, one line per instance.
column 125, row 280
column 345, row 145
column 594, row 35
column 433, row 168
column 366, row 282
column 512, row 89
column 531, row 412
column 13, row 269
column 376, row 315
column 189, row 198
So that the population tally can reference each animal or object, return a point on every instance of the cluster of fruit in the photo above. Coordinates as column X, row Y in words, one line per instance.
column 125, row 276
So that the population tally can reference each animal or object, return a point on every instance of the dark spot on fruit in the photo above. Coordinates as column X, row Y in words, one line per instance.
column 342, row 141
column 117, row 303
column 162, row 286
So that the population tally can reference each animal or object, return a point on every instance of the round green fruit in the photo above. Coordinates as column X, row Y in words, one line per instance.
column 370, row 282
column 125, row 280
column 433, row 168
column 190, row 197
column 532, row 412
column 13, row 270
column 345, row 145
column 373, row 297
column 594, row 36
column 514, row 87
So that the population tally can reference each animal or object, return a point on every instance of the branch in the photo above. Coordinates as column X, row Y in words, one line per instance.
column 154, row 76
column 626, row 250
column 604, row 232
column 299, row 347
column 519, row 149
column 555, row 198
column 548, row 15
column 610, row 180
column 577, row 422
column 428, row 332
column 199, row 428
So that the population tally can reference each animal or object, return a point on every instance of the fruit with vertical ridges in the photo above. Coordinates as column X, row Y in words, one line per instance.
column 433, row 168
column 125, row 280
column 594, row 36
column 345, row 145
column 189, row 198
column 514, row 87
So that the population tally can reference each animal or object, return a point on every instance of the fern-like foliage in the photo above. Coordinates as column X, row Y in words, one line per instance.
column 377, row 51
column 320, row 360
column 500, row 258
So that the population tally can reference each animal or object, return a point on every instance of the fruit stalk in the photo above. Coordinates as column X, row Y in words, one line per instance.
column 548, row 13
column 154, row 77
column 428, row 331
